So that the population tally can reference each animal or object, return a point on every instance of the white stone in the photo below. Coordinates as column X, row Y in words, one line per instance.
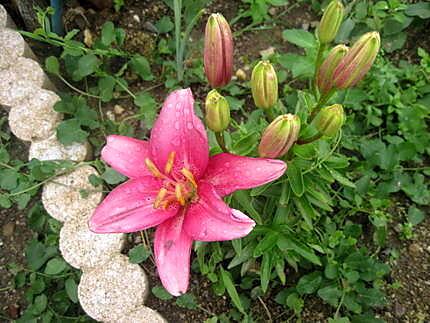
column 84, row 249
column 5, row 20
column 13, row 92
column 62, row 197
column 142, row 315
column 24, row 71
column 13, row 46
column 52, row 149
column 110, row 292
column 34, row 118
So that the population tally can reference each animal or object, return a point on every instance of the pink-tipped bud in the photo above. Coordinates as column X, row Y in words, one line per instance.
column 327, row 68
column 218, row 51
column 330, row 22
column 279, row 136
column 217, row 111
column 264, row 85
column 356, row 63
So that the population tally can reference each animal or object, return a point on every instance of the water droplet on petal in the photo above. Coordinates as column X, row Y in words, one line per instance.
column 177, row 125
column 190, row 126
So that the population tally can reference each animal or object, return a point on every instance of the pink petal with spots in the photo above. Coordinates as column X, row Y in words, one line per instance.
column 229, row 173
column 126, row 155
column 129, row 208
column 210, row 219
column 178, row 129
column 172, row 248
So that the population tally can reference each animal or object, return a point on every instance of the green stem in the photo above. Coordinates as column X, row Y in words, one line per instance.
column 221, row 142
column 125, row 88
column 269, row 115
column 76, row 89
column 318, row 62
column 177, row 7
column 323, row 100
column 48, row 179
column 185, row 40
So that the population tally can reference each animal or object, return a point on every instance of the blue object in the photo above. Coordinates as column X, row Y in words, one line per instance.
column 56, row 19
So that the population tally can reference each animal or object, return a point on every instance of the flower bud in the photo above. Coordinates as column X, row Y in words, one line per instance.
column 330, row 22
column 327, row 68
column 357, row 62
column 218, row 51
column 217, row 111
column 329, row 120
column 264, row 85
column 279, row 136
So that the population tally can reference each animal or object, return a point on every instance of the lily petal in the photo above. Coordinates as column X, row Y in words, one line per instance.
column 179, row 130
column 172, row 248
column 129, row 208
column 229, row 173
column 126, row 155
column 210, row 219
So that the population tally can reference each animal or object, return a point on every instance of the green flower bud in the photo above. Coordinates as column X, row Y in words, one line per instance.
column 264, row 85
column 329, row 120
column 327, row 68
column 330, row 22
column 217, row 111
column 279, row 136
column 356, row 63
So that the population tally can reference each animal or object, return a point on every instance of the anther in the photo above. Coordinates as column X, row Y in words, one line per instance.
column 189, row 176
column 179, row 196
column 152, row 168
column 160, row 198
column 169, row 163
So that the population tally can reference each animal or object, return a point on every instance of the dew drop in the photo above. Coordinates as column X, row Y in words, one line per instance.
column 177, row 125
column 190, row 126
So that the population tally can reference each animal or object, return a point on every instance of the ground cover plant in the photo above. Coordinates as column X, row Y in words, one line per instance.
column 355, row 145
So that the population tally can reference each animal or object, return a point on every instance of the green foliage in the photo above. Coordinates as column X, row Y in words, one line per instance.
column 390, row 18
column 50, row 283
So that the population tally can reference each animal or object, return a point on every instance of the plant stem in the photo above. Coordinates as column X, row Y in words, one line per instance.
column 126, row 89
column 185, row 40
column 177, row 7
column 269, row 115
column 318, row 62
column 76, row 89
column 221, row 142
column 323, row 100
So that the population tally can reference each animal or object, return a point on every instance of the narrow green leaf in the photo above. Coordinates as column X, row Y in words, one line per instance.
column 295, row 177
column 243, row 198
column 231, row 290
column 266, row 244
column 266, row 270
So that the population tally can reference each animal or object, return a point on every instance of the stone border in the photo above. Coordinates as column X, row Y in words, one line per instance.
column 111, row 288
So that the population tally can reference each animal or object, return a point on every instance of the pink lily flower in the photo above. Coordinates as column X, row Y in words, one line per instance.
column 175, row 186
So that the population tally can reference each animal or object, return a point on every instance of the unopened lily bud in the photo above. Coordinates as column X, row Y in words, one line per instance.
column 329, row 120
column 264, row 85
column 218, row 51
column 356, row 63
column 217, row 111
column 330, row 22
column 327, row 68
column 279, row 136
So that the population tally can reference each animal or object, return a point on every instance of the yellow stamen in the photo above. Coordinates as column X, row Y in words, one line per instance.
column 160, row 197
column 169, row 163
column 179, row 196
column 188, row 175
column 152, row 168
